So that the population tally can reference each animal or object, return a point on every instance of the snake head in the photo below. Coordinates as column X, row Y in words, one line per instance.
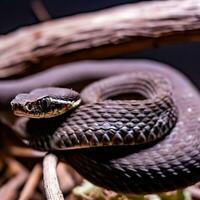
column 45, row 102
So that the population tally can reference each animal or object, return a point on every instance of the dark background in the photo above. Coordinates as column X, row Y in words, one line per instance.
column 17, row 13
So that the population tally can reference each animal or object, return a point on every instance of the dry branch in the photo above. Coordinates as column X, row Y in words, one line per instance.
column 51, row 184
column 67, row 183
column 10, row 189
column 24, row 152
column 40, row 11
column 100, row 34
column 31, row 183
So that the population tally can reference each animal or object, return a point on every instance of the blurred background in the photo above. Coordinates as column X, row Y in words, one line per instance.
column 17, row 13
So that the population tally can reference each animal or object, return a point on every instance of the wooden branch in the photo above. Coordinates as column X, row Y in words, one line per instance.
column 51, row 184
column 66, row 181
column 31, row 183
column 40, row 11
column 18, row 151
column 9, row 190
column 100, row 34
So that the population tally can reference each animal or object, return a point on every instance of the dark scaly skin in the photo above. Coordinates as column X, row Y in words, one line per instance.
column 169, row 164
column 100, row 122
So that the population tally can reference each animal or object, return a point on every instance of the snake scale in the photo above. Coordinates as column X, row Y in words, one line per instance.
column 169, row 162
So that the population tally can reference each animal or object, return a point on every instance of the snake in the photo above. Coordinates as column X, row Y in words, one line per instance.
column 145, row 145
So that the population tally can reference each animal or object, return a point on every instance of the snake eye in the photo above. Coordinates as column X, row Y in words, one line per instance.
column 45, row 103
column 29, row 107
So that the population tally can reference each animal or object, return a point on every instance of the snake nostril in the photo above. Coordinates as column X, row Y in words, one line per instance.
column 15, row 106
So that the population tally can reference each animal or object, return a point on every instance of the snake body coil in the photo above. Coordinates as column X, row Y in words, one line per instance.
column 102, row 122
column 153, row 166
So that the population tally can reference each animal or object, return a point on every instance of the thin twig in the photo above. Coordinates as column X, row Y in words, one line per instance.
column 40, row 11
column 67, row 183
column 9, row 190
column 15, row 166
column 51, row 185
column 25, row 152
column 31, row 183
column 194, row 191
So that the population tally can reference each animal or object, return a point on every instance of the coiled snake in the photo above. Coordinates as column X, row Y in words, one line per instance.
column 149, row 145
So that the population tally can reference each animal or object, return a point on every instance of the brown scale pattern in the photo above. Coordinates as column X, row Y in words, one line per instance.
column 111, row 123
column 167, row 164
column 106, row 122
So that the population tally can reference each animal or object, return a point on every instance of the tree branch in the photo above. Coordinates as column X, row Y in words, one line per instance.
column 31, row 183
column 101, row 34
column 51, row 184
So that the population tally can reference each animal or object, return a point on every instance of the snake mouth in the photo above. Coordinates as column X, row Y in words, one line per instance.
column 17, row 109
